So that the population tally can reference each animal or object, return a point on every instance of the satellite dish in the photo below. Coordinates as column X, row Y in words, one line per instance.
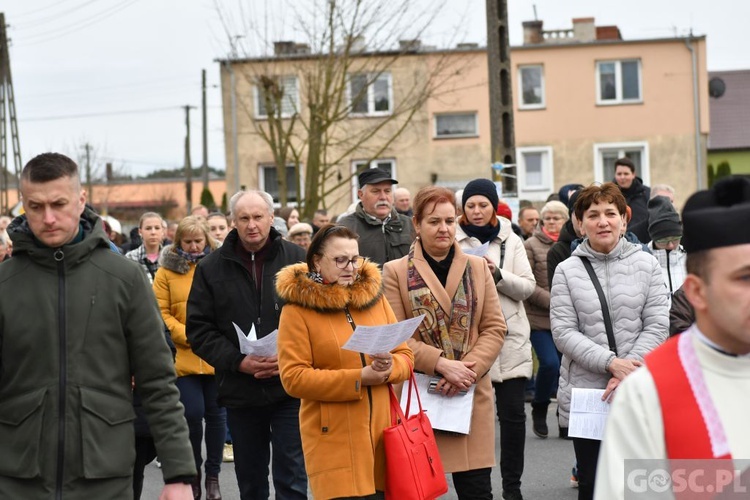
column 716, row 87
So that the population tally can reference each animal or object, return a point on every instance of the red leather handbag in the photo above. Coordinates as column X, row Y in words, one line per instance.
column 414, row 470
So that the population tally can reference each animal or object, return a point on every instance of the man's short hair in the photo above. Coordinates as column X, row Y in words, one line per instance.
column 625, row 162
column 698, row 263
column 267, row 198
column 526, row 209
column 48, row 167
column 321, row 211
column 661, row 188
column 197, row 207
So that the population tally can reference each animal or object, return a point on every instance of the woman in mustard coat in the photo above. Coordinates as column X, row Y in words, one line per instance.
column 195, row 377
column 345, row 402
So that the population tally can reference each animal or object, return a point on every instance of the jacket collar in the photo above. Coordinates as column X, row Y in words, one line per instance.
column 392, row 222
column 444, row 296
column 294, row 286
column 171, row 260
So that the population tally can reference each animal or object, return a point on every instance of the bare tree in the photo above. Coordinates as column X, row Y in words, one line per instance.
column 347, row 103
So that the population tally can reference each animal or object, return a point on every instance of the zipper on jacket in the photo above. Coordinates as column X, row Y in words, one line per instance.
column 258, row 287
column 669, row 273
column 62, row 375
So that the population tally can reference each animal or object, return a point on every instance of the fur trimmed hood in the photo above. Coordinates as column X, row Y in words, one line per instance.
column 295, row 287
column 173, row 261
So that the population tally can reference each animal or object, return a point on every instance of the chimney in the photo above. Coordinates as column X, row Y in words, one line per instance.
column 301, row 48
column 409, row 45
column 467, row 46
column 283, row 48
column 608, row 33
column 532, row 32
column 584, row 29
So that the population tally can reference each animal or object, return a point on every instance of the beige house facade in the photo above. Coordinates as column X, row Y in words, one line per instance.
column 582, row 98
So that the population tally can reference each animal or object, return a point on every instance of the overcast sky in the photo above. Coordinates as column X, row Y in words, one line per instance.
column 116, row 73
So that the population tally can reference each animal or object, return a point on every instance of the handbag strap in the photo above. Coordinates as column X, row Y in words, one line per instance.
column 396, row 412
column 603, row 300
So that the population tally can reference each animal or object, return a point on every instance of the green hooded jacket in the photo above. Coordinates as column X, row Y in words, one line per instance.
column 75, row 324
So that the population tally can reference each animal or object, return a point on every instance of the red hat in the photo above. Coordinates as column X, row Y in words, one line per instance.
column 503, row 210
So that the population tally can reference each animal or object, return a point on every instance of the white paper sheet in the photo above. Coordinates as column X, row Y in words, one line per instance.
column 251, row 345
column 479, row 251
column 445, row 413
column 383, row 338
column 588, row 414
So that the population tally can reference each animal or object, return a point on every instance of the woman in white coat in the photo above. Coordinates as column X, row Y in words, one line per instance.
column 514, row 281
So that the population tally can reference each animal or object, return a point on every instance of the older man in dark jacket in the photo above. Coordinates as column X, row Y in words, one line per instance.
column 77, row 324
column 384, row 234
column 234, row 288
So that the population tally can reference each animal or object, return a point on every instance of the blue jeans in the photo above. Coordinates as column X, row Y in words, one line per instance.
column 549, row 365
column 254, row 428
column 198, row 395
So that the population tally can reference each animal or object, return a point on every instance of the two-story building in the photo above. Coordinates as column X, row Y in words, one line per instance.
column 582, row 98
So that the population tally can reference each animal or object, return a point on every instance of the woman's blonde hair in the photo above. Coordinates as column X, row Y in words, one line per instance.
column 556, row 207
column 190, row 225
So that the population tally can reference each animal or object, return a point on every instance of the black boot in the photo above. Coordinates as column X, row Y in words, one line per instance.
column 196, row 485
column 539, row 419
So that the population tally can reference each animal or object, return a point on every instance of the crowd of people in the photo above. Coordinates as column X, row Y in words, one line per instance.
column 144, row 359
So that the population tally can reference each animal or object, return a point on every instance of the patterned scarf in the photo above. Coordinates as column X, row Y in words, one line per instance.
column 193, row 257
column 447, row 331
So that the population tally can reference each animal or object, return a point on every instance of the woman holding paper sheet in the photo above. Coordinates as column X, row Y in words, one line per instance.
column 514, row 282
column 195, row 377
column 461, row 336
column 345, row 404
column 636, row 301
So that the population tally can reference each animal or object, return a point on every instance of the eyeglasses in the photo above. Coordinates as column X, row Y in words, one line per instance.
column 343, row 262
column 667, row 241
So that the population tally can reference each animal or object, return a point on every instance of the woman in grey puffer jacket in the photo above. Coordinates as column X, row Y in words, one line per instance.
column 638, row 306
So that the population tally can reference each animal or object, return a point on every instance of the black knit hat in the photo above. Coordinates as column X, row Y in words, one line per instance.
column 718, row 217
column 663, row 220
column 484, row 187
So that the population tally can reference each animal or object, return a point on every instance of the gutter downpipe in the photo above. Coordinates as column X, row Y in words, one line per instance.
column 233, row 104
column 696, row 112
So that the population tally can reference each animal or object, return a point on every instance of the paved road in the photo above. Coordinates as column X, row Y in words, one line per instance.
column 546, row 475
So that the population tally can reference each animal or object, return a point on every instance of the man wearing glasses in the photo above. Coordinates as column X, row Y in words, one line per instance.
column 234, row 288
column 665, row 230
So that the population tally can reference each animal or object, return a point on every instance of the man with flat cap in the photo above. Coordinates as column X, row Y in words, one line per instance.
column 690, row 401
column 384, row 234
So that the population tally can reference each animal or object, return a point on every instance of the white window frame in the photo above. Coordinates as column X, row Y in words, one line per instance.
column 295, row 100
column 523, row 105
column 262, row 181
column 618, row 83
column 373, row 164
column 371, row 78
column 437, row 135
column 548, row 172
column 621, row 147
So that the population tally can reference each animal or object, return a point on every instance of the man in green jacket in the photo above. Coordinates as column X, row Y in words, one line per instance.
column 78, row 326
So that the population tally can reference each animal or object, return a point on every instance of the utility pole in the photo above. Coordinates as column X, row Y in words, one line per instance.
column 89, row 187
column 205, row 133
column 7, row 95
column 188, row 164
column 501, row 96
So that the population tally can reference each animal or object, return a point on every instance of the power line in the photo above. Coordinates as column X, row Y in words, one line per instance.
column 67, row 30
column 54, row 17
column 57, row 3
column 144, row 83
column 103, row 113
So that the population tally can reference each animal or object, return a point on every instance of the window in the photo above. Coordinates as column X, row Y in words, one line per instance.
column 289, row 97
column 360, row 165
column 268, row 181
column 531, row 83
column 456, row 125
column 534, row 169
column 370, row 94
column 606, row 154
column 618, row 82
